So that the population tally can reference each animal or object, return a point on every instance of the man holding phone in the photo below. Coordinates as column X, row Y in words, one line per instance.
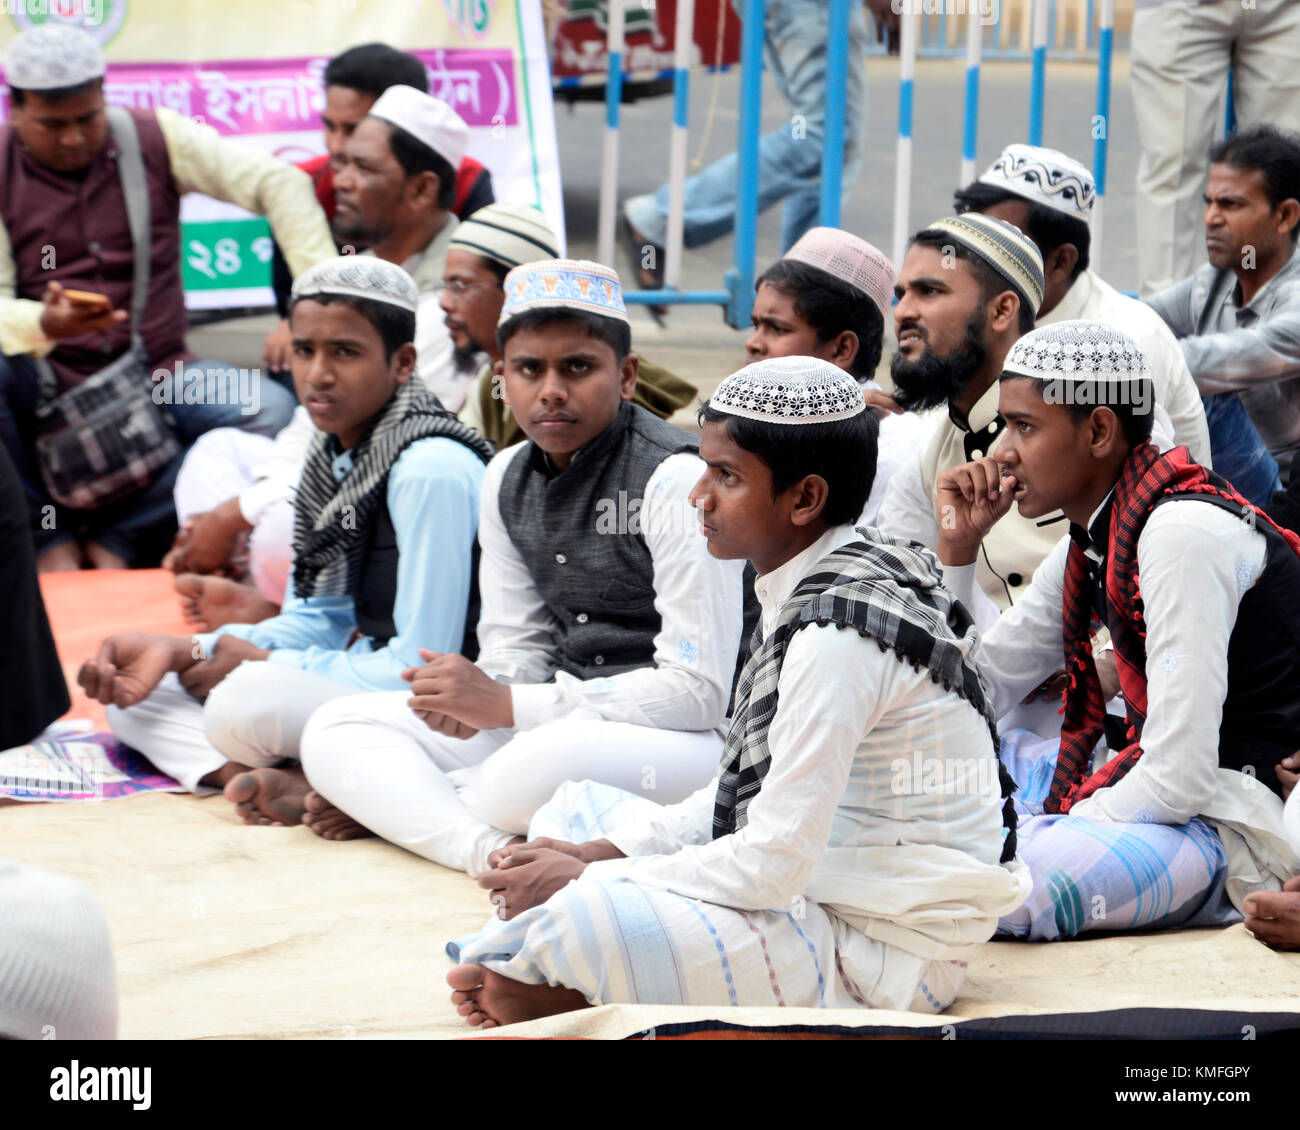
column 67, row 269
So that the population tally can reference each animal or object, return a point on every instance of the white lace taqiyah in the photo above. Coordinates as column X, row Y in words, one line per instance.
column 851, row 260
column 575, row 284
column 53, row 55
column 790, row 390
column 427, row 119
column 359, row 276
column 1045, row 176
column 1077, row 351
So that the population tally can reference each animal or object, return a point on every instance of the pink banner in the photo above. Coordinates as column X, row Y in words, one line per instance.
column 286, row 95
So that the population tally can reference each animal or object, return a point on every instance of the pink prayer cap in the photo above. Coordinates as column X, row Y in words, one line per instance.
column 851, row 260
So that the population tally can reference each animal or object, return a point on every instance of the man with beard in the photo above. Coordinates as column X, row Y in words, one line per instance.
column 968, row 288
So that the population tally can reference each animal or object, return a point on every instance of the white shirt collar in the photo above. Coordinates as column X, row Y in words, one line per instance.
column 773, row 589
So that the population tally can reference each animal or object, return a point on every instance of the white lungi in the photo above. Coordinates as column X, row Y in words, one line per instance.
column 255, row 716
column 454, row 801
column 1182, row 51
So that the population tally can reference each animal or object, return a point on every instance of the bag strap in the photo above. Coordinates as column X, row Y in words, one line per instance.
column 135, row 192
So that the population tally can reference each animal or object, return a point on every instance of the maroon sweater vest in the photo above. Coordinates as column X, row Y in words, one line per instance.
column 73, row 230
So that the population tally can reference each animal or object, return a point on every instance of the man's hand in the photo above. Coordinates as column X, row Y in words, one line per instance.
column 228, row 653
column 888, row 23
column 589, row 852
column 880, row 402
column 1288, row 773
column 528, row 878
column 449, row 688
column 208, row 540
column 64, row 318
column 969, row 500
column 277, row 349
column 1272, row 916
column 129, row 666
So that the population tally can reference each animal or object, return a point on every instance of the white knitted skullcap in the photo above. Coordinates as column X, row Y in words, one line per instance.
column 1076, row 352
column 359, row 276
column 578, row 284
column 1045, row 176
column 53, row 55
column 56, row 963
column 427, row 119
column 851, row 260
column 790, row 390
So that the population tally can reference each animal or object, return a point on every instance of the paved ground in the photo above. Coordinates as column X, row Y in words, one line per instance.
column 697, row 343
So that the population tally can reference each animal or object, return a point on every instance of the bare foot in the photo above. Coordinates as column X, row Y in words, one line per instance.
column 213, row 602
column 269, row 796
column 488, row 999
column 101, row 558
column 331, row 823
column 62, row 558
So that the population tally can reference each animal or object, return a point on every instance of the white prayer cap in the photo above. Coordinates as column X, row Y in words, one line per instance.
column 575, row 284
column 1077, row 352
column 53, row 55
column 508, row 234
column 427, row 119
column 359, row 276
column 790, row 390
column 1045, row 176
column 56, row 961
column 851, row 260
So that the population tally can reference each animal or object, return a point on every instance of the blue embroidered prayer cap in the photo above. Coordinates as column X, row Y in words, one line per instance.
column 575, row 284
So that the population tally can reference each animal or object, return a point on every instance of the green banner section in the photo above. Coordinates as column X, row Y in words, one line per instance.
column 225, row 254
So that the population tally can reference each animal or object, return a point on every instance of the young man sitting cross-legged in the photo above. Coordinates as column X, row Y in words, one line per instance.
column 385, row 516
column 608, row 634
column 1200, row 592
column 851, row 850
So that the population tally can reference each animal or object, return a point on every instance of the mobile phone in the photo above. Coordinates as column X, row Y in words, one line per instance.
column 89, row 298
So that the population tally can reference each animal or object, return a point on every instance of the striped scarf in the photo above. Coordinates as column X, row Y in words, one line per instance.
column 885, row 588
column 1145, row 480
column 332, row 519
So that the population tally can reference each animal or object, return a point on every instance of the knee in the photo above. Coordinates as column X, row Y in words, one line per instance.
column 323, row 756
column 242, row 721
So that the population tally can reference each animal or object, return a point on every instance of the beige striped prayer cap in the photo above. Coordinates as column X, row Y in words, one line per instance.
column 851, row 260
column 508, row 234
column 1004, row 247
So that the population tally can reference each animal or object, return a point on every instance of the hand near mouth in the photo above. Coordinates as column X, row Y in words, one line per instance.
column 970, row 500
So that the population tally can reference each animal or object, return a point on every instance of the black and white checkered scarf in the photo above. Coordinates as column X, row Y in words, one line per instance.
column 885, row 588
column 332, row 519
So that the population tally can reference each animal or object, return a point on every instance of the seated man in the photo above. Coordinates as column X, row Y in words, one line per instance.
column 1184, row 819
column 814, row 870
column 59, row 159
column 484, row 249
column 353, row 80
column 1050, row 198
column 384, row 525
column 608, row 635
column 810, row 304
column 394, row 193
column 1238, row 318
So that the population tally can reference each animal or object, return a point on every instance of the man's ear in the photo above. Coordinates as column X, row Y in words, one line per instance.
column 1004, row 312
column 1106, row 433
column 1289, row 214
column 404, row 362
column 810, row 497
column 627, row 377
column 424, row 188
column 1061, row 261
column 844, row 349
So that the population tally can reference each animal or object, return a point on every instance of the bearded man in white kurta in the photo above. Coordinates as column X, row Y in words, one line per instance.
column 851, row 850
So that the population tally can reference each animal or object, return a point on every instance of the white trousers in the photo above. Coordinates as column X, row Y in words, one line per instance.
column 1182, row 52
column 219, row 466
column 254, row 716
column 455, row 801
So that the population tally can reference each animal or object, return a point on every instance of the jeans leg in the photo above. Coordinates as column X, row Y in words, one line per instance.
column 207, row 394
column 1239, row 455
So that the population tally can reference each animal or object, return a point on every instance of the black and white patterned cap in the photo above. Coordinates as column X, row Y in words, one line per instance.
column 790, row 390
column 1077, row 351
column 53, row 55
column 359, row 276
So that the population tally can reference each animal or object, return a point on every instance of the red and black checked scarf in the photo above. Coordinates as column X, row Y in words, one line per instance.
column 1145, row 478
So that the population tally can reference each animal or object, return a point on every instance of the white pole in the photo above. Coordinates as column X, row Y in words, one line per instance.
column 903, row 175
column 685, row 36
column 974, row 55
column 609, row 158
